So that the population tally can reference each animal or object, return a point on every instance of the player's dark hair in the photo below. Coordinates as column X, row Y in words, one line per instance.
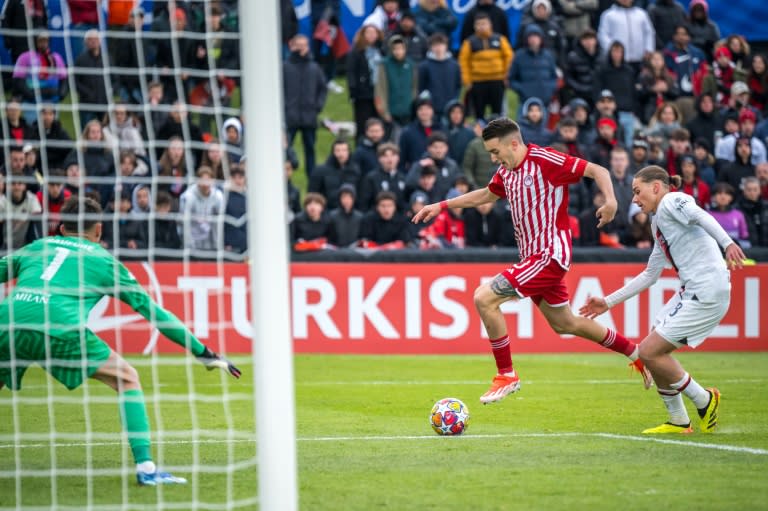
column 500, row 128
column 80, row 213
column 656, row 173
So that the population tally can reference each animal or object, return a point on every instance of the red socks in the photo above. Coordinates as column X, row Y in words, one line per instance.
column 502, row 354
column 614, row 341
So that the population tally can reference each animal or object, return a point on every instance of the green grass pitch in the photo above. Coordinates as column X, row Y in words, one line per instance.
column 568, row 440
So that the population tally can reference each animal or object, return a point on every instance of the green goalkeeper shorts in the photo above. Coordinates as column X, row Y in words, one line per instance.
column 70, row 360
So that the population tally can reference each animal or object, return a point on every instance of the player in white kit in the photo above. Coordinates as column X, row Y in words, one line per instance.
column 688, row 239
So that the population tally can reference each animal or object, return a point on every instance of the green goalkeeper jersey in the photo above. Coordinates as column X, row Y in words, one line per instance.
column 60, row 279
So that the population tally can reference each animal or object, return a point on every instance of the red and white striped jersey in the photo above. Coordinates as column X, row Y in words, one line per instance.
column 537, row 191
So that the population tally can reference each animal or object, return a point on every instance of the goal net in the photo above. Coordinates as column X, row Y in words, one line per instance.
column 139, row 106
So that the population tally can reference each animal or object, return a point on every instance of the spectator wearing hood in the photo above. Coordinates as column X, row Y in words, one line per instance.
column 233, row 138
column 459, row 135
column 618, row 77
column 338, row 169
column 434, row 17
column 499, row 20
column 580, row 67
column 534, row 70
column 704, row 32
column 721, row 76
column 665, row 16
column 166, row 230
column 485, row 58
column 706, row 121
column 580, row 111
column 533, row 124
column 705, row 161
column 305, row 91
column 440, row 74
column 552, row 37
column 631, row 26
column 345, row 219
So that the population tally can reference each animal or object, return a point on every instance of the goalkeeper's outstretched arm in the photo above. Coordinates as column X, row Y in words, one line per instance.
column 130, row 292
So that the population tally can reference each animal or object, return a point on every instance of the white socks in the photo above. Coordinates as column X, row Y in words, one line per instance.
column 692, row 390
column 675, row 406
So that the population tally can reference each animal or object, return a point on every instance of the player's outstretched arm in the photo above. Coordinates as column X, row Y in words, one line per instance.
column 468, row 200
column 169, row 325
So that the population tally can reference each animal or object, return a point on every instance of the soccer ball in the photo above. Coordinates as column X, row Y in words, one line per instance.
column 449, row 417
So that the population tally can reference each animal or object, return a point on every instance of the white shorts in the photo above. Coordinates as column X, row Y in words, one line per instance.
column 685, row 321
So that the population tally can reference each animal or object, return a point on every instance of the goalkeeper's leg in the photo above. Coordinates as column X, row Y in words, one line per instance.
column 124, row 379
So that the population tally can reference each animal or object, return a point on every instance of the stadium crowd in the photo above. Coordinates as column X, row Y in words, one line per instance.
column 623, row 85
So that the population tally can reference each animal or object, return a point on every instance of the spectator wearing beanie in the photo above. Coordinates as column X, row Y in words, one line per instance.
column 704, row 32
column 725, row 149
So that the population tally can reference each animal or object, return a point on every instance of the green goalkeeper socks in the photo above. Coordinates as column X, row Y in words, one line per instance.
column 133, row 415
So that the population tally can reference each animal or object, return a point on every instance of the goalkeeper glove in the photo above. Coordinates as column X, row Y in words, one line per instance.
column 213, row 361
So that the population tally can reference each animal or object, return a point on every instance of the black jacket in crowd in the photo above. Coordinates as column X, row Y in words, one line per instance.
column 345, row 227
column 580, row 69
column 90, row 87
column 328, row 178
column 304, row 91
column 756, row 214
column 303, row 228
column 56, row 134
column 704, row 125
column 379, row 181
column 359, row 78
column 482, row 230
column 380, row 231
column 621, row 81
column 499, row 20
column 235, row 226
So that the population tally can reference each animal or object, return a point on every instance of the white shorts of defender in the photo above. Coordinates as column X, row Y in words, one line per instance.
column 685, row 321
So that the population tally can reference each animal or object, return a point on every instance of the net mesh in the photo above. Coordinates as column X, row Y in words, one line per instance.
column 62, row 449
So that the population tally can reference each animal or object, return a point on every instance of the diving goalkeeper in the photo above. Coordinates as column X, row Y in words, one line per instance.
column 59, row 279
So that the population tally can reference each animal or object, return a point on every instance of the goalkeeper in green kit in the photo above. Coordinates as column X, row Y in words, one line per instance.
column 59, row 279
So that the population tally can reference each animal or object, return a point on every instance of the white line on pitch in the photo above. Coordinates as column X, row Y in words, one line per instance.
column 385, row 438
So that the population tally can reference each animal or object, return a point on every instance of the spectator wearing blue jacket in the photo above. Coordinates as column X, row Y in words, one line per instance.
column 533, row 123
column 534, row 71
column 434, row 17
column 413, row 139
column 440, row 73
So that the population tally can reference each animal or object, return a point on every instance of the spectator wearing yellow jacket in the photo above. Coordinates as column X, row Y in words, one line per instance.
column 485, row 58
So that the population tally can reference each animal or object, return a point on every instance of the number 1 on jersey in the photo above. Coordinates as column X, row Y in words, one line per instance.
column 55, row 264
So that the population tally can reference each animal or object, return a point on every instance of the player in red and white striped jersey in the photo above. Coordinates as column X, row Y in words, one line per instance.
column 535, row 182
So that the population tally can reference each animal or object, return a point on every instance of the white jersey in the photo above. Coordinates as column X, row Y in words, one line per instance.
column 686, row 239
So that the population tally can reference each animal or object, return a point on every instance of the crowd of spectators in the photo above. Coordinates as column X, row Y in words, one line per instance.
column 623, row 86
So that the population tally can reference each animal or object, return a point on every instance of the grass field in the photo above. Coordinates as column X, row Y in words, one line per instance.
column 569, row 440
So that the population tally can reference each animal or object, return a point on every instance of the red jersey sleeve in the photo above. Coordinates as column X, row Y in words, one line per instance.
column 559, row 168
column 496, row 186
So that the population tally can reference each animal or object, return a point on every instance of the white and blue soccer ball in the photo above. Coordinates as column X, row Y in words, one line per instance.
column 449, row 416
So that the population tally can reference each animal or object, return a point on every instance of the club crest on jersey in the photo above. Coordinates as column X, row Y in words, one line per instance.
column 528, row 181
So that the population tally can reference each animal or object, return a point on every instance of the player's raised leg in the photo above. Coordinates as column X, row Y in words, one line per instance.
column 124, row 379
column 564, row 321
column 488, row 299
column 673, row 382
